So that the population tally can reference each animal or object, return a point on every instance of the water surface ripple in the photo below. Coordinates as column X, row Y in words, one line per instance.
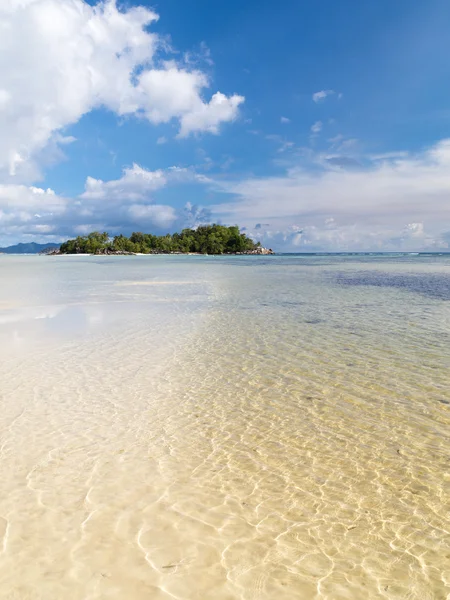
column 213, row 428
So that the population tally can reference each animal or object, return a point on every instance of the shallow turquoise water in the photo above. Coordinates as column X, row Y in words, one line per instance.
column 225, row 427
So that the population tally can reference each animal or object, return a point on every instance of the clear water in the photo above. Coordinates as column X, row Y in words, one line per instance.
column 225, row 428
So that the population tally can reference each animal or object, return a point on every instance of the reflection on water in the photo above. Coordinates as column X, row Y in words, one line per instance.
column 274, row 428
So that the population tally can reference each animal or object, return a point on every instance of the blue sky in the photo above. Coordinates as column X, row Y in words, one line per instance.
column 314, row 125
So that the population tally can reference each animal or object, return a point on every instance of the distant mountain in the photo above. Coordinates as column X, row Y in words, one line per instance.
column 31, row 248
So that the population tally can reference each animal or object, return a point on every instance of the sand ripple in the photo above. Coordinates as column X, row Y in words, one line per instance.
column 276, row 435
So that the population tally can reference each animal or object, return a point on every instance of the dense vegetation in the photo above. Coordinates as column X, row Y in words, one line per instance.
column 207, row 239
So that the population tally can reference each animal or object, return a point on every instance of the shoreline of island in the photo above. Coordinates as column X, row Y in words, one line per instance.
column 261, row 252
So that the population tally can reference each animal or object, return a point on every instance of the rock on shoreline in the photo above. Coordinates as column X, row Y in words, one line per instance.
column 108, row 252
column 259, row 250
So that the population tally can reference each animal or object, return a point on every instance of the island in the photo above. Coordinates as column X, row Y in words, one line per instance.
column 29, row 248
column 205, row 239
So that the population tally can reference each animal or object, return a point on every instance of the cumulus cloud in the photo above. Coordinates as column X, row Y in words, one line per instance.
column 29, row 210
column 138, row 183
column 61, row 59
column 330, row 236
column 380, row 205
column 395, row 202
column 29, row 202
column 194, row 215
column 208, row 116
column 321, row 95
column 157, row 215
column 117, row 205
column 285, row 120
column 135, row 184
column 317, row 127
column 414, row 230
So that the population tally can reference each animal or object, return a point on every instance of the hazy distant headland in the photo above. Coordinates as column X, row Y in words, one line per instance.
column 206, row 239
column 28, row 248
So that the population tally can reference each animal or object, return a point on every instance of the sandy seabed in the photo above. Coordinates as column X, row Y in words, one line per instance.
column 237, row 429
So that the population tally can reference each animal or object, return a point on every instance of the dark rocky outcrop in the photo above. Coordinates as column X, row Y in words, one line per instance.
column 110, row 252
column 50, row 251
column 258, row 250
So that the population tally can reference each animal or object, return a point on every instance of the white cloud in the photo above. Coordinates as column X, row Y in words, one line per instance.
column 316, row 127
column 78, row 57
column 282, row 143
column 397, row 203
column 116, row 205
column 135, row 184
column 28, row 210
column 285, row 120
column 389, row 155
column 336, row 141
column 195, row 215
column 415, row 230
column 33, row 199
column 348, row 144
column 371, row 207
column 330, row 236
column 319, row 96
column 152, row 214
column 138, row 183
column 203, row 54
column 208, row 116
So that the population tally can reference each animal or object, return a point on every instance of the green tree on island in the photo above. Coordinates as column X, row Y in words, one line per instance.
column 206, row 239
